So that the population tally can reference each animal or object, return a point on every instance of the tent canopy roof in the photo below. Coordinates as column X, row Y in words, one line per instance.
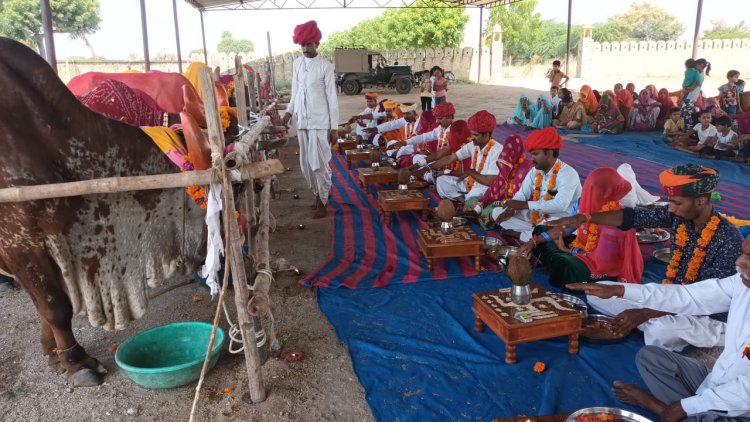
column 206, row 5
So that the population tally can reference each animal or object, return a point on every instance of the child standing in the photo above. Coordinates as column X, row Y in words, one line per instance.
column 674, row 126
column 555, row 100
column 425, row 91
column 556, row 76
column 730, row 92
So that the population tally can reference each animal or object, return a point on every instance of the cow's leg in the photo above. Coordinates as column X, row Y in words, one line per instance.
column 56, row 313
column 49, row 345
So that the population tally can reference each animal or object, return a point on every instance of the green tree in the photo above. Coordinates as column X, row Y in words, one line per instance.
column 196, row 51
column 231, row 45
column 522, row 28
column 721, row 30
column 610, row 31
column 428, row 25
column 647, row 22
column 552, row 40
column 22, row 19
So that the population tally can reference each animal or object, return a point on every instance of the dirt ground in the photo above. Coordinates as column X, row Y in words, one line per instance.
column 322, row 387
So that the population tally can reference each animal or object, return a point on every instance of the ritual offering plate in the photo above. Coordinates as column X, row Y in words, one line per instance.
column 576, row 303
column 605, row 414
column 663, row 255
column 652, row 235
column 598, row 329
column 459, row 221
column 492, row 242
column 502, row 254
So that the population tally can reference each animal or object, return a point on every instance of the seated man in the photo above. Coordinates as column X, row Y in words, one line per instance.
column 596, row 252
column 682, row 387
column 705, row 245
column 369, row 114
column 572, row 115
column 403, row 128
column 550, row 190
column 443, row 112
column 483, row 151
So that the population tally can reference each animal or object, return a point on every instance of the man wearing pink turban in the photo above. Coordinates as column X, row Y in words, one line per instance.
column 314, row 110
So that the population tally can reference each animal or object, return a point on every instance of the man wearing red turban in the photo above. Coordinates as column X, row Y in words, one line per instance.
column 425, row 143
column 314, row 111
column 483, row 151
column 550, row 191
column 370, row 114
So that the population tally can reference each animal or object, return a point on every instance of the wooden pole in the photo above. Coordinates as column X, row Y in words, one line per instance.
column 698, row 14
column 260, row 301
column 133, row 183
column 251, row 90
column 242, row 294
column 239, row 92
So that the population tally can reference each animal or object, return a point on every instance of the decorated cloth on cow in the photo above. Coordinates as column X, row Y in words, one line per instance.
column 120, row 102
column 192, row 73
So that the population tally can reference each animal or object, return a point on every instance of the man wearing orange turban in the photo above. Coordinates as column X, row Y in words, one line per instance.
column 314, row 111
column 550, row 191
column 483, row 152
column 705, row 246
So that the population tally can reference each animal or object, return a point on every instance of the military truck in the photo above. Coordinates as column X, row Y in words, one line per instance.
column 359, row 68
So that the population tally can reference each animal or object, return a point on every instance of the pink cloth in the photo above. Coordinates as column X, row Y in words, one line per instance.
column 164, row 88
column 513, row 165
column 118, row 101
column 616, row 253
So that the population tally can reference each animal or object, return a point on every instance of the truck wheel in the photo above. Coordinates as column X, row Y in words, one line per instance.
column 403, row 86
column 350, row 86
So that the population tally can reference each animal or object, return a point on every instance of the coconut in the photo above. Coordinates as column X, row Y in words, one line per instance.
column 403, row 176
column 519, row 270
column 375, row 156
column 446, row 210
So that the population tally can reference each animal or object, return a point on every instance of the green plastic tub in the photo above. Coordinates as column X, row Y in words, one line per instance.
column 169, row 355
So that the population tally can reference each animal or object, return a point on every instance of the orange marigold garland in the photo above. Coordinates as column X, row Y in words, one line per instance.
column 225, row 112
column 699, row 253
column 593, row 231
column 538, row 189
column 198, row 193
column 487, row 148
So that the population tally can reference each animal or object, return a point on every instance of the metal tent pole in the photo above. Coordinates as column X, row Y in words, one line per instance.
column 697, row 28
column 177, row 36
column 49, row 40
column 479, row 61
column 144, row 29
column 203, row 35
column 567, row 39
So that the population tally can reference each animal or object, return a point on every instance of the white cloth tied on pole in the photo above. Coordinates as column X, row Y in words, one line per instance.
column 215, row 245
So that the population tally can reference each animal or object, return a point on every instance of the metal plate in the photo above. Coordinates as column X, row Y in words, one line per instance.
column 576, row 303
column 652, row 235
column 620, row 414
column 596, row 330
column 664, row 255
column 660, row 204
column 459, row 221
column 492, row 242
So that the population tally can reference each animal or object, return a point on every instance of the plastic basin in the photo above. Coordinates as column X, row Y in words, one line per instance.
column 169, row 355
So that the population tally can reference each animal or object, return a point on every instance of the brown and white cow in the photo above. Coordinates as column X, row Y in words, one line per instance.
column 96, row 254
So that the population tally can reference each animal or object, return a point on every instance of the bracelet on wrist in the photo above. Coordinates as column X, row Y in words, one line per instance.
column 546, row 236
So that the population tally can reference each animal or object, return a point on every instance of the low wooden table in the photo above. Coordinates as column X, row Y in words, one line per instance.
column 346, row 145
column 384, row 175
column 357, row 155
column 393, row 201
column 553, row 317
column 462, row 241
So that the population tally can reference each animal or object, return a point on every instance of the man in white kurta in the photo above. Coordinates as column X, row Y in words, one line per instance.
column 407, row 125
column 370, row 114
column 549, row 192
column 444, row 113
column 682, row 387
column 483, row 152
column 314, row 111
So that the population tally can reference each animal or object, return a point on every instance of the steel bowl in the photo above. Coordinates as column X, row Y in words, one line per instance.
column 614, row 411
column 597, row 329
column 664, row 255
column 502, row 254
column 492, row 242
column 651, row 236
column 459, row 221
column 577, row 304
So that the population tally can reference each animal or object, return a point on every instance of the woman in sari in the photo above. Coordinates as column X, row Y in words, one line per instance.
column 608, row 118
column 624, row 103
column 630, row 87
column 596, row 252
column 665, row 99
column 543, row 116
column 572, row 115
column 525, row 111
column 588, row 101
column 513, row 165
column 652, row 91
column 644, row 113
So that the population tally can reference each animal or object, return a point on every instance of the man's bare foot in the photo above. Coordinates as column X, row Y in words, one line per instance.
column 629, row 393
column 320, row 209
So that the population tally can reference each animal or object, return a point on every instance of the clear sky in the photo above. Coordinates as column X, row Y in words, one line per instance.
column 120, row 30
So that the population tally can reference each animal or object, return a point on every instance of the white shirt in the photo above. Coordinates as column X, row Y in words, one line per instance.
column 313, row 104
column 704, row 134
column 434, row 135
column 555, row 104
column 490, row 164
column 727, row 386
column 398, row 124
column 723, row 141
column 567, row 185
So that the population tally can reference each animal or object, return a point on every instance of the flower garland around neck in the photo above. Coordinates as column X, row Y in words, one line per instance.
column 442, row 138
column 592, row 239
column 487, row 148
column 538, row 190
column 699, row 253
column 512, row 178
